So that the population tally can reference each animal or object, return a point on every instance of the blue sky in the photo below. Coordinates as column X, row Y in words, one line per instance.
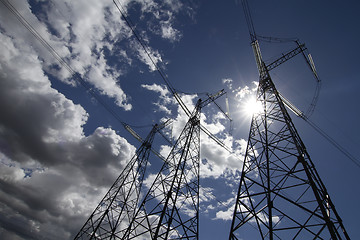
column 60, row 150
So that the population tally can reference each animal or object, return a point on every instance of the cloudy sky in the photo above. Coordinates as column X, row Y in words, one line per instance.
column 61, row 61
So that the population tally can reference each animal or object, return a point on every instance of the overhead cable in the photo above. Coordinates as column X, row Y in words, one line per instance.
column 300, row 114
column 333, row 142
column 162, row 74
column 75, row 74
column 146, row 49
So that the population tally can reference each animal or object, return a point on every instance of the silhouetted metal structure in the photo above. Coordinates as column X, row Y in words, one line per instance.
column 281, row 195
column 171, row 206
column 170, row 209
column 115, row 211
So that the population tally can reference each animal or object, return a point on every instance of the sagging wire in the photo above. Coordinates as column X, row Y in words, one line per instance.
column 300, row 114
column 276, row 39
column 162, row 74
column 73, row 73
column 333, row 142
column 308, row 58
column 147, row 51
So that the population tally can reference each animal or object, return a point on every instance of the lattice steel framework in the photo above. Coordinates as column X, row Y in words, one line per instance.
column 170, row 209
column 115, row 211
column 281, row 195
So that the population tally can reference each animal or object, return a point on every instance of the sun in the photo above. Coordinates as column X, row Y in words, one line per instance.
column 251, row 106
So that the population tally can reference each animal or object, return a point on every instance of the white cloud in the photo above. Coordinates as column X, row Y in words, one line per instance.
column 79, row 32
column 228, row 212
column 206, row 194
column 164, row 92
column 10, row 173
column 45, row 153
column 216, row 126
column 52, row 175
column 165, row 150
column 175, row 5
column 168, row 31
column 228, row 82
column 182, row 118
column 217, row 163
column 218, row 159
column 242, row 92
column 152, row 58
column 165, row 99
column 166, row 102
column 163, row 12
column 225, row 215
column 86, row 34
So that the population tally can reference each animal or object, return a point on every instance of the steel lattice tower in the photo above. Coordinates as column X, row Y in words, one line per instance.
column 281, row 195
column 115, row 211
column 170, row 209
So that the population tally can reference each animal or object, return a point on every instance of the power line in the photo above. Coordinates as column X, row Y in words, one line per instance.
column 303, row 116
column 55, row 54
column 163, row 75
column 75, row 74
column 79, row 79
column 332, row 141
column 146, row 49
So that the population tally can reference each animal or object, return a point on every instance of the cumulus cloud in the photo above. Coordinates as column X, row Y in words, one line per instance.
column 81, row 33
column 228, row 82
column 163, row 12
column 168, row 32
column 217, row 159
column 166, row 102
column 52, row 175
column 152, row 58
column 227, row 213
column 165, row 99
column 216, row 162
column 87, row 35
column 242, row 92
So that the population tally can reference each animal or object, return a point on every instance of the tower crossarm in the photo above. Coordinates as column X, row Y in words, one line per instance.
column 139, row 138
column 212, row 97
column 285, row 57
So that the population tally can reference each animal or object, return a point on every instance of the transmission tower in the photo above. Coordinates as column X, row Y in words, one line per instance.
column 170, row 209
column 112, row 216
column 281, row 195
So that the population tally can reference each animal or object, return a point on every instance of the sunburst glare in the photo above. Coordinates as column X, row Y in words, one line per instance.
column 251, row 106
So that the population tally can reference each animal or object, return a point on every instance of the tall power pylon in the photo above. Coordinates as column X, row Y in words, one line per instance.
column 115, row 211
column 170, row 209
column 281, row 195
